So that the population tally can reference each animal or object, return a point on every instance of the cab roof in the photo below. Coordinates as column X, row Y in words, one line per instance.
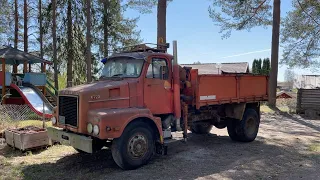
column 142, row 51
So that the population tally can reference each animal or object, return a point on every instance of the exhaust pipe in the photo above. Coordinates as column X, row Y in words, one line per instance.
column 176, row 87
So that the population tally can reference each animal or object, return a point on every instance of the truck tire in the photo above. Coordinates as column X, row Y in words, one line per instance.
column 221, row 125
column 135, row 147
column 201, row 128
column 245, row 130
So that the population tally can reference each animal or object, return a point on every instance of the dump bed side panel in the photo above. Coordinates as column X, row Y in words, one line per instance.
column 253, row 86
column 223, row 89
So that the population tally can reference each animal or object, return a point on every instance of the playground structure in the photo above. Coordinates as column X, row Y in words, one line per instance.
column 31, row 88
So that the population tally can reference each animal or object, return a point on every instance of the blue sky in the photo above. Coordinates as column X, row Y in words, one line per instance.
column 199, row 39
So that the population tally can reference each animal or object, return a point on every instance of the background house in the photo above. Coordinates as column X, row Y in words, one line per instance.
column 284, row 86
column 214, row 68
column 307, row 82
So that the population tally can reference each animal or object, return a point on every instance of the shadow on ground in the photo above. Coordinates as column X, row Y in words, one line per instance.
column 303, row 120
column 209, row 156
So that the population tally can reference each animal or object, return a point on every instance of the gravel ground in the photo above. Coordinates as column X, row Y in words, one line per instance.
column 287, row 147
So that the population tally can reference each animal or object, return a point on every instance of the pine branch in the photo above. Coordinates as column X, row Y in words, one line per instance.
column 254, row 14
column 307, row 13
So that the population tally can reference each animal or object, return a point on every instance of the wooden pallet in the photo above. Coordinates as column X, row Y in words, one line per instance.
column 27, row 139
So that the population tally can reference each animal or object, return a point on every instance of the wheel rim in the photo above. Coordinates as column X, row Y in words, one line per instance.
column 251, row 126
column 138, row 145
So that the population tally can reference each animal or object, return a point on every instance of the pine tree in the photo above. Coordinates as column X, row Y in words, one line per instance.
column 259, row 69
column 254, row 66
column 300, row 35
column 264, row 67
column 245, row 15
column 267, row 66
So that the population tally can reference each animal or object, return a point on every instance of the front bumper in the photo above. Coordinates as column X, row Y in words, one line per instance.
column 80, row 142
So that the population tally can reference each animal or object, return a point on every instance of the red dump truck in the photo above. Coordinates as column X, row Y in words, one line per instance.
column 143, row 96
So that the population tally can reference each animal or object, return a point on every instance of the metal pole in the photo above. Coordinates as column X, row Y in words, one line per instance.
column 162, row 24
column 176, row 87
column 175, row 53
column 43, row 117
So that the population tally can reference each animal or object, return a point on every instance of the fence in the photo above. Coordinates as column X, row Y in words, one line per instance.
column 11, row 115
column 308, row 100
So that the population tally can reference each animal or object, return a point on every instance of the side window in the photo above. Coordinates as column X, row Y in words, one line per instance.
column 158, row 69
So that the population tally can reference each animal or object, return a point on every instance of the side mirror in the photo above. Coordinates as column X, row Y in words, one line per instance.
column 164, row 72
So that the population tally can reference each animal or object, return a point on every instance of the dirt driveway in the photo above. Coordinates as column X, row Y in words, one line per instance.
column 287, row 147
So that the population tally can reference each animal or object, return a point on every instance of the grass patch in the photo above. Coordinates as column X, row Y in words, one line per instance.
column 7, row 171
column 16, row 165
column 314, row 148
column 18, row 124
column 266, row 109
column 37, row 123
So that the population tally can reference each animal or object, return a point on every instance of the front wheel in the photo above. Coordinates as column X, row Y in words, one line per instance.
column 135, row 147
column 245, row 130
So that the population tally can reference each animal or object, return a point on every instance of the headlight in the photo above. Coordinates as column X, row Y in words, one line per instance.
column 54, row 120
column 89, row 128
column 95, row 129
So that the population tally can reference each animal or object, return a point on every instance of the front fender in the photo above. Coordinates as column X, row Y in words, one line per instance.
column 112, row 122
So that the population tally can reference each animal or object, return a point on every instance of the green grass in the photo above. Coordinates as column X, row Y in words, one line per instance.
column 17, row 165
column 266, row 109
column 37, row 123
column 19, row 124
column 314, row 147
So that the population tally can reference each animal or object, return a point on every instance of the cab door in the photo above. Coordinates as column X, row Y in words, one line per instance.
column 158, row 92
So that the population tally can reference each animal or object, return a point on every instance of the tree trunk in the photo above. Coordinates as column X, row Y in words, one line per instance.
column 70, row 47
column 16, row 24
column 25, row 26
column 54, row 43
column 274, row 53
column 40, row 31
column 161, row 29
column 89, row 78
column 105, row 28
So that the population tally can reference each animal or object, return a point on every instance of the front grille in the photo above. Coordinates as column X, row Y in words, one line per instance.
column 68, row 110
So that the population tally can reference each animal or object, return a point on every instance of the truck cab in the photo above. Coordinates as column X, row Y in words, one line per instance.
column 135, row 90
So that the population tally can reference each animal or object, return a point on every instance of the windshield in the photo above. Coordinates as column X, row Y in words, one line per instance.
column 122, row 67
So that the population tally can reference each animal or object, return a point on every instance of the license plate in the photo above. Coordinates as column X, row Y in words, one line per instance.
column 62, row 119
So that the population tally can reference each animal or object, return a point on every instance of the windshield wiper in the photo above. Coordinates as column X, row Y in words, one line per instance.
column 116, row 75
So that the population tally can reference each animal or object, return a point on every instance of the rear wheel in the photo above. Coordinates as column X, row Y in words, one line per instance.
column 135, row 147
column 245, row 130
column 201, row 128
